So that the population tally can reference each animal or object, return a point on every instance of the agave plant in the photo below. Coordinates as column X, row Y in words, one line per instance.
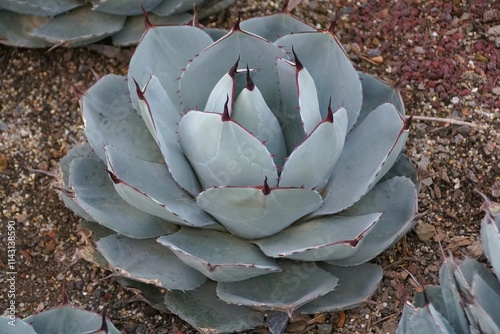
column 468, row 299
column 252, row 172
column 45, row 23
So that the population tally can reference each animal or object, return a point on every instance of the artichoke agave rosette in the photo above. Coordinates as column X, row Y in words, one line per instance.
column 257, row 171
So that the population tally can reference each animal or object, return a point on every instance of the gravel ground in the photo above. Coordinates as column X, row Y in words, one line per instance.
column 444, row 55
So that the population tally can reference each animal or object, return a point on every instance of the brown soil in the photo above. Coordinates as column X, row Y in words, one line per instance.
column 444, row 55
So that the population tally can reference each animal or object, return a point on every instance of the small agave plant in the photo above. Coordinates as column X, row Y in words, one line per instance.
column 253, row 172
column 45, row 23
column 468, row 300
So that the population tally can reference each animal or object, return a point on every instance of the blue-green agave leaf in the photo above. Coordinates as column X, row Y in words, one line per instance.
column 222, row 96
column 217, row 316
column 39, row 7
column 485, row 305
column 116, row 123
column 68, row 320
column 490, row 234
column 333, row 73
column 148, row 193
column 466, row 272
column 310, row 165
column 355, row 286
column 322, row 239
column 87, row 26
column 163, row 52
column 404, row 323
column 95, row 193
column 231, row 260
column 151, row 294
column 369, row 152
column 15, row 326
column 223, row 153
column 397, row 200
column 428, row 320
column 162, row 119
column 254, row 213
column 286, row 291
column 205, row 70
column 252, row 113
column 169, row 7
column 272, row 27
column 124, row 7
column 145, row 260
column 15, row 28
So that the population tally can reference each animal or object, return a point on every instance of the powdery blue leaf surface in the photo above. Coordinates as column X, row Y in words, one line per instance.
column 253, row 213
column 19, row 327
column 15, row 30
column 95, row 193
column 87, row 26
column 310, row 164
column 116, row 123
column 490, row 233
column 216, row 316
column 145, row 260
column 162, row 119
column 331, row 69
column 222, row 153
column 355, row 286
column 397, row 200
column 219, row 255
column 203, row 73
column 274, row 26
column 298, row 284
column 485, row 305
column 163, row 52
column 222, row 95
column 169, row 7
column 67, row 320
column 428, row 320
column 369, row 152
column 124, row 7
column 142, row 184
column 308, row 98
column 323, row 239
column 39, row 7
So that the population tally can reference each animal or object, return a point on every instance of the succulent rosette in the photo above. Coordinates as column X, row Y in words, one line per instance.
column 243, row 173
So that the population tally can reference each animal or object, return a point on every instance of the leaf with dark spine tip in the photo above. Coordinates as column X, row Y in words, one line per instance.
column 124, row 7
column 274, row 26
column 169, row 45
column 369, row 152
column 116, row 123
column 222, row 153
column 428, row 320
column 162, row 119
column 247, row 212
column 203, row 73
column 15, row 29
column 397, row 200
column 148, row 193
column 217, row 316
column 331, row 69
column 40, row 7
column 68, row 319
column 310, row 165
column 87, row 26
column 322, row 239
column 20, row 327
column 145, row 260
column 252, row 113
column 149, row 293
column 223, row 92
column 355, row 286
column 289, row 118
column 231, row 260
column 95, row 193
column 286, row 291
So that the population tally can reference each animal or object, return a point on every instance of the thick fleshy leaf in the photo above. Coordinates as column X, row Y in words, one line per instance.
column 95, row 193
column 162, row 119
column 124, row 7
column 272, row 27
column 163, row 52
column 322, row 239
column 485, row 305
column 369, row 152
column 68, row 320
column 397, row 200
column 40, row 7
column 87, row 26
column 310, row 165
column 15, row 29
column 149, row 293
column 254, row 213
column 217, row 316
column 331, row 69
column 252, row 112
column 222, row 153
column 308, row 98
column 148, row 193
column 169, row 7
column 298, row 284
column 15, row 326
column 222, row 95
column 428, row 320
column 203, row 73
column 356, row 285
column 490, row 233
column 218, row 255
column 147, row 261
column 116, row 122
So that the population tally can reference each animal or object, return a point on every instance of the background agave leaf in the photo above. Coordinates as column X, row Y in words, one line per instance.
column 14, row 30
column 149, row 262
column 124, row 7
column 20, row 326
column 274, row 26
column 149, row 293
column 484, row 307
column 39, row 7
column 490, row 233
column 173, row 7
column 233, row 261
